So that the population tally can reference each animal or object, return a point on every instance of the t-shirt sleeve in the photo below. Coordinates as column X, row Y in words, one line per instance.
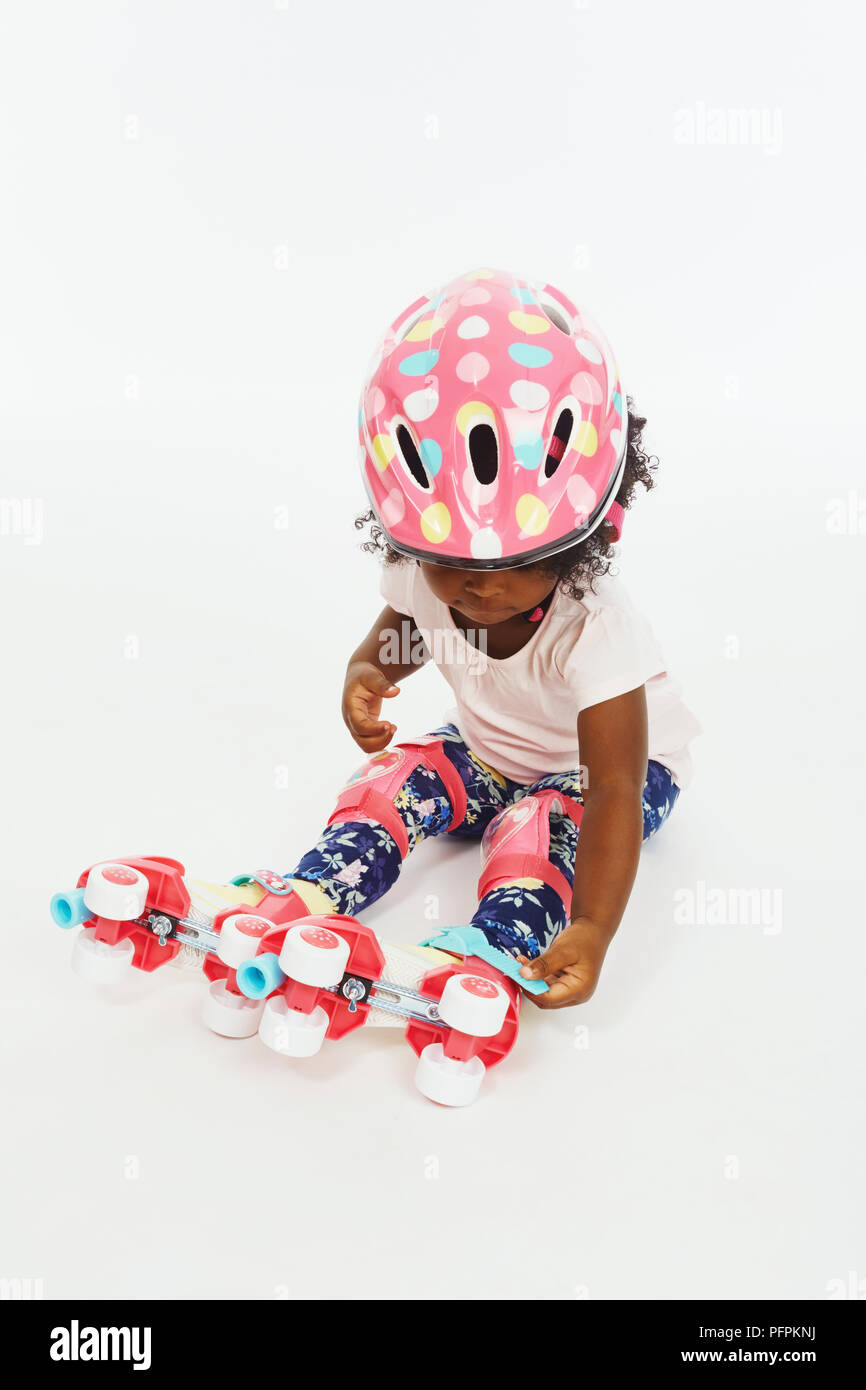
column 615, row 652
column 396, row 584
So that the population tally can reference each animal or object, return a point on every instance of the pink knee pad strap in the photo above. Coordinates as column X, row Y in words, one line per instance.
column 516, row 843
column 369, row 793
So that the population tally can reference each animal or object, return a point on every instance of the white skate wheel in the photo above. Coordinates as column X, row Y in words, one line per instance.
column 239, row 937
column 445, row 1080
column 231, row 1015
column 290, row 1032
column 99, row 963
column 314, row 955
column 473, row 1004
column 115, row 891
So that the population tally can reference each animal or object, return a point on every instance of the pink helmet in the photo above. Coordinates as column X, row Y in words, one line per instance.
column 492, row 425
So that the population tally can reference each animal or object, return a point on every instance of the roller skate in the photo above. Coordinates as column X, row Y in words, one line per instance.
column 142, row 914
column 324, row 976
column 297, row 977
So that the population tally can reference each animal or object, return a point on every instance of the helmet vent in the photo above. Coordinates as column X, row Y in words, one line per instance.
column 556, row 314
column 411, row 458
column 559, row 442
column 409, row 325
column 483, row 453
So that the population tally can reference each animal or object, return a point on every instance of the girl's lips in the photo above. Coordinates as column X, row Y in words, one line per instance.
column 485, row 615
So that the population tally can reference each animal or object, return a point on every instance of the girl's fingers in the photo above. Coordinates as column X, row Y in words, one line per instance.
column 566, row 983
column 558, row 996
column 363, row 723
column 363, row 702
column 372, row 744
column 558, row 956
column 364, row 713
column 374, row 683
column 368, row 730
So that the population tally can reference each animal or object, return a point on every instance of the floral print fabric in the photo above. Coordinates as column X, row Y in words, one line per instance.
column 355, row 862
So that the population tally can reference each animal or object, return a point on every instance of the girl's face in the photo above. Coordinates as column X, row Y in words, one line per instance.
column 487, row 597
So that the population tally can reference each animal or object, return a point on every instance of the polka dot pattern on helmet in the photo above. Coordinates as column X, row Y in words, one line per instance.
column 528, row 323
column 527, row 355
column 420, row 405
column 514, row 355
column 436, row 523
column 418, row 363
column 473, row 327
column 472, row 368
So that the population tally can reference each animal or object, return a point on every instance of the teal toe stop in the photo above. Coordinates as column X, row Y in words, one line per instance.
column 471, row 941
column 68, row 910
column 258, row 977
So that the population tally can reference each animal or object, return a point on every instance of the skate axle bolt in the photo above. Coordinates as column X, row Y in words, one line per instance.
column 354, row 990
column 161, row 926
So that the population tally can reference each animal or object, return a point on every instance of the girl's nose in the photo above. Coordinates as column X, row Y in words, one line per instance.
column 484, row 589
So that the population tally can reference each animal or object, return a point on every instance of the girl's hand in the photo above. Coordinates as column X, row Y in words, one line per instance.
column 365, row 687
column 571, row 965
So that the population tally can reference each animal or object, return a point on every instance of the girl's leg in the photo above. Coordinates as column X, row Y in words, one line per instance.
column 394, row 802
column 523, row 916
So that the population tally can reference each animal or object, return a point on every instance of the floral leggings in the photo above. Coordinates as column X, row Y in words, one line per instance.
column 354, row 863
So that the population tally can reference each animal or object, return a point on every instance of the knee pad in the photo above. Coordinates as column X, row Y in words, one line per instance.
column 369, row 795
column 516, row 843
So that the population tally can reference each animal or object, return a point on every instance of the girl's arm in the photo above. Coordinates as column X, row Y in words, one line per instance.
column 392, row 649
column 612, row 737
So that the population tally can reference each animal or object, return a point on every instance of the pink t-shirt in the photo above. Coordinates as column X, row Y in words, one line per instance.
column 519, row 714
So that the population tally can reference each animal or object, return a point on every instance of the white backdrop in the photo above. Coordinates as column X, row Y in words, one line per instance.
column 211, row 211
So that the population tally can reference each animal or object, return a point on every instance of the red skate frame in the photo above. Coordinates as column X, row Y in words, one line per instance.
column 166, row 893
column 366, row 961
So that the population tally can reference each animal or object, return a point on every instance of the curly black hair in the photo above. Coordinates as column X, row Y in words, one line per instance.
column 577, row 567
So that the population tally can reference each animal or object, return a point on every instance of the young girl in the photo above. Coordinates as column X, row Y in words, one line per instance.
column 499, row 459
